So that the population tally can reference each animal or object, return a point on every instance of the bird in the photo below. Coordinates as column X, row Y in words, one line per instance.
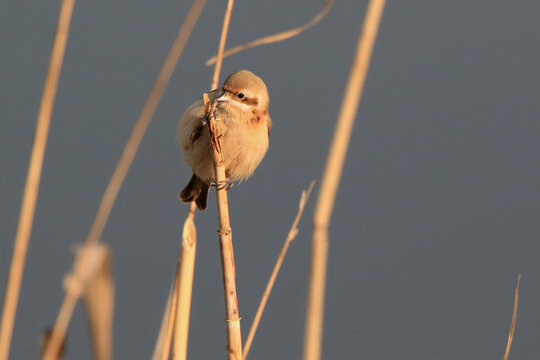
column 243, row 122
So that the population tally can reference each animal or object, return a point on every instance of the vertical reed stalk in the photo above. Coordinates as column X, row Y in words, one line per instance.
column 234, row 336
column 26, row 215
column 331, row 177
column 169, row 326
column 184, row 284
column 166, row 323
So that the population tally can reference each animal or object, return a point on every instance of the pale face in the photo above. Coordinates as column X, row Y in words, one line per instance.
column 245, row 90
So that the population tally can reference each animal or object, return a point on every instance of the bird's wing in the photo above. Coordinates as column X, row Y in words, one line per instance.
column 193, row 123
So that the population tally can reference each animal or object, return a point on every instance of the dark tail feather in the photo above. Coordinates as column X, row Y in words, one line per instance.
column 196, row 190
column 203, row 197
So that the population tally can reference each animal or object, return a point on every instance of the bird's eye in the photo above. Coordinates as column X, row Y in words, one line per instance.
column 241, row 95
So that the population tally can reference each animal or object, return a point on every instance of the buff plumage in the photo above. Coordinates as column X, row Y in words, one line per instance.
column 244, row 124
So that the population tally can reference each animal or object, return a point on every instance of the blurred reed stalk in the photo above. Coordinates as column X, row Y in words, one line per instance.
column 175, row 321
column 266, row 294
column 513, row 324
column 88, row 263
column 73, row 292
column 184, row 285
column 31, row 189
column 161, row 349
column 331, row 177
column 98, row 297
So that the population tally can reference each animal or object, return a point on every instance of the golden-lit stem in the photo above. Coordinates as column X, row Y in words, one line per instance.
column 276, row 37
column 31, row 189
column 315, row 307
column 184, row 283
column 234, row 336
column 170, row 322
column 165, row 322
column 107, row 202
column 513, row 324
column 222, row 41
column 290, row 237
column 87, row 262
column 186, row 264
column 331, row 177
column 98, row 297
column 143, row 121
column 60, row 326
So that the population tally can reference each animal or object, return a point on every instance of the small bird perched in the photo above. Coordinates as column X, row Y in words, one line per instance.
column 243, row 123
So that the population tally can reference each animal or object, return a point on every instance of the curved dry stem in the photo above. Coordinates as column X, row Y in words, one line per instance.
column 331, row 177
column 276, row 37
column 266, row 294
column 162, row 80
column 513, row 324
column 107, row 202
column 31, row 189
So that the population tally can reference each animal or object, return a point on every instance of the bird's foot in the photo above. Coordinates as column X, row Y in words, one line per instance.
column 222, row 185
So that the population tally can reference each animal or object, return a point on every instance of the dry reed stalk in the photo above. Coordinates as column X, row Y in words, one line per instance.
column 175, row 320
column 143, row 121
column 31, row 189
column 179, row 301
column 98, row 298
column 234, row 336
column 129, row 152
column 331, row 177
column 44, row 339
column 169, row 330
column 166, row 323
column 266, row 294
column 221, row 46
column 513, row 324
column 276, row 37
column 186, row 261
column 184, row 284
column 88, row 261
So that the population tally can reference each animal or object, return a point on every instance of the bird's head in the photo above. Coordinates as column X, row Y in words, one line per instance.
column 245, row 89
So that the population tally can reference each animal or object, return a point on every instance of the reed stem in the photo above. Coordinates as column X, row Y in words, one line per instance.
column 31, row 189
column 331, row 177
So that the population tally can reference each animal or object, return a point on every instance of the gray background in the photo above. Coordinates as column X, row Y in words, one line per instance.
column 436, row 214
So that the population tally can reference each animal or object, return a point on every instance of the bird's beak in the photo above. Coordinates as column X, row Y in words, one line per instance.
column 221, row 96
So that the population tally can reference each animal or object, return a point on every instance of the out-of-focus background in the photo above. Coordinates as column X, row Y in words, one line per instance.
column 437, row 212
